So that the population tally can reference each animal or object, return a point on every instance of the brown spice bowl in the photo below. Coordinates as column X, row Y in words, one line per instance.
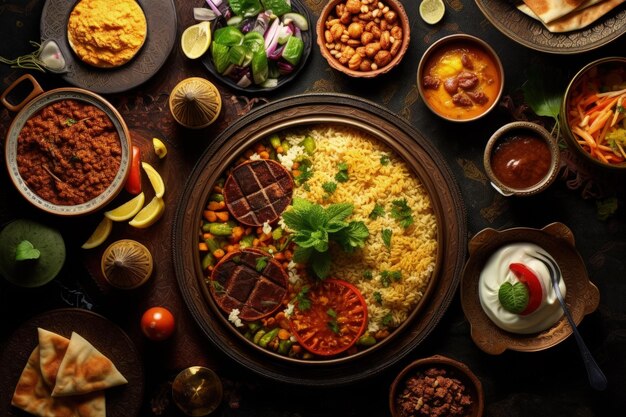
column 454, row 369
column 537, row 165
column 400, row 17
column 28, row 108
column 605, row 72
column 460, row 50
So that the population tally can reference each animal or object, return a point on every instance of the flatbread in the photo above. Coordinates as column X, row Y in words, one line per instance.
column 52, row 348
column 34, row 396
column 549, row 10
column 84, row 369
column 586, row 14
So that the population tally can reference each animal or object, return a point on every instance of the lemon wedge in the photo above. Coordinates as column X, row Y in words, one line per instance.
column 159, row 148
column 126, row 210
column 196, row 40
column 432, row 11
column 150, row 214
column 155, row 179
column 100, row 234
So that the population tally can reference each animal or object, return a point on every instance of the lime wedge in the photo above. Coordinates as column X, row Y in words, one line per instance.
column 432, row 11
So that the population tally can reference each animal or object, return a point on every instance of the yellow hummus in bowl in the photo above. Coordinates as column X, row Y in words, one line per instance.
column 106, row 33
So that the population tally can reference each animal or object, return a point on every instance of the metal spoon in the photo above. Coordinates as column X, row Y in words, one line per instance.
column 597, row 379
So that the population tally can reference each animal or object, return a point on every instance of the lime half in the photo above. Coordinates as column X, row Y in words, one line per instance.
column 432, row 11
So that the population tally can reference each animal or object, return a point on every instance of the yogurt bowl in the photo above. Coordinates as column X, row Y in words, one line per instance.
column 494, row 329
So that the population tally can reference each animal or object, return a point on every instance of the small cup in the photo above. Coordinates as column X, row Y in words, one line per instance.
column 516, row 162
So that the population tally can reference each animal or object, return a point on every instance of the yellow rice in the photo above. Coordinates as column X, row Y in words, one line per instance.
column 413, row 251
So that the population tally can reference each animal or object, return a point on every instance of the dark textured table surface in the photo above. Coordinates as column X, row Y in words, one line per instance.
column 546, row 383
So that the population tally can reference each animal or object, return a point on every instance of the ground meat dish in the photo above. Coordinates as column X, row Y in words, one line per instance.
column 69, row 152
column 434, row 393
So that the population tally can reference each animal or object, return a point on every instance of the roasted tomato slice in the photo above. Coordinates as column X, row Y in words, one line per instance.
column 331, row 319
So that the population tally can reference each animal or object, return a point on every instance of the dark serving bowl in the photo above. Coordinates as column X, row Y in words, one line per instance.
column 307, row 38
column 418, row 154
column 29, row 107
column 453, row 369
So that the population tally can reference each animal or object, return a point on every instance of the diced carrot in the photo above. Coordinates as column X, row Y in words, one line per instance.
column 283, row 334
column 218, row 189
column 279, row 256
column 231, row 248
column 203, row 247
column 207, row 235
column 264, row 155
column 295, row 165
column 216, row 205
column 259, row 148
column 256, row 242
column 222, row 216
column 209, row 215
column 218, row 253
column 295, row 172
column 248, row 230
column 237, row 233
column 280, row 150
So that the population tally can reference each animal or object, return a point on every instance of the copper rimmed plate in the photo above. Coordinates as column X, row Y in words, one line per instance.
column 532, row 34
column 106, row 336
column 582, row 296
column 425, row 162
column 162, row 27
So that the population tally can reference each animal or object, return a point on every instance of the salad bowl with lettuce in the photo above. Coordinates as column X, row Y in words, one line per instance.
column 257, row 45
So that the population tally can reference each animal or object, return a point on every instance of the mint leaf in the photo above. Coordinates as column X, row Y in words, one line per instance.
column 332, row 313
column 26, row 251
column 387, row 319
column 320, row 264
column 342, row 175
column 377, row 212
column 513, row 297
column 378, row 297
column 367, row 274
column 386, row 234
column 261, row 263
column 302, row 255
column 329, row 187
column 384, row 159
column 339, row 212
column 352, row 237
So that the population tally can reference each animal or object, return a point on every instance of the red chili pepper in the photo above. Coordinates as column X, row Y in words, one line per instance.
column 527, row 277
column 133, row 183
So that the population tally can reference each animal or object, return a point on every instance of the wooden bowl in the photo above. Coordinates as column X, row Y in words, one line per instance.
column 600, row 67
column 330, row 9
column 453, row 369
column 582, row 297
column 494, row 72
column 29, row 107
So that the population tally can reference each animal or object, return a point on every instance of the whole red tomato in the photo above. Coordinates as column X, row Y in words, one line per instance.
column 158, row 323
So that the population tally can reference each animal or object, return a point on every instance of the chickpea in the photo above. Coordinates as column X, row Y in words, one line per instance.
column 372, row 49
column 355, row 30
column 353, row 6
column 366, row 65
column 336, row 31
column 383, row 25
column 396, row 32
column 382, row 58
column 391, row 16
column 366, row 37
column 395, row 47
column 355, row 62
column 385, row 43
column 361, row 51
column 355, row 43
column 376, row 32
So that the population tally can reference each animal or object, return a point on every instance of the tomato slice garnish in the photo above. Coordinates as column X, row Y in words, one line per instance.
column 334, row 320
column 527, row 277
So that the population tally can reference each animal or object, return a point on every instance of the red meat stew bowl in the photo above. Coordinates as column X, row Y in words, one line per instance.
column 67, row 150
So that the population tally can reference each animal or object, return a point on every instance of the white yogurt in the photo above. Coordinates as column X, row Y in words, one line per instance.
column 496, row 272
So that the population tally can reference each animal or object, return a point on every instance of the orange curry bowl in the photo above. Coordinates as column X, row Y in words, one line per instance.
column 460, row 78
column 67, row 150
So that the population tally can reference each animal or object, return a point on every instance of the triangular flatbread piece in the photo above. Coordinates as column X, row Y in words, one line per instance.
column 34, row 396
column 549, row 10
column 52, row 349
column 84, row 369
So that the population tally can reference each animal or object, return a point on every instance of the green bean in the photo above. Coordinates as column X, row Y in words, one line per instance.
column 284, row 346
column 308, row 143
column 277, row 233
column 212, row 244
column 207, row 260
column 254, row 326
column 366, row 340
column 275, row 141
column 268, row 337
column 257, row 336
column 220, row 229
column 216, row 197
column 246, row 241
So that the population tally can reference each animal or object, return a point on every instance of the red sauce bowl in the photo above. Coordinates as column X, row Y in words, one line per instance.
column 522, row 159
column 37, row 101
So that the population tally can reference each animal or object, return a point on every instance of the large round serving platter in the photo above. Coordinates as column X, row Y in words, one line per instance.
column 417, row 152
column 532, row 34
column 162, row 26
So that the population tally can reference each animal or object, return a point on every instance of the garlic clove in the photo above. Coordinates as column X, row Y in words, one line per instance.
column 51, row 57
